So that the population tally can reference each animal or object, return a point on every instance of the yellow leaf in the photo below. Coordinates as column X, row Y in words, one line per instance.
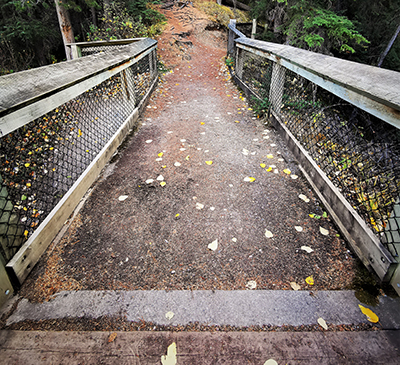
column 26, row 233
column 161, row 154
column 371, row 316
column 164, row 166
column 202, row 123
column 27, row 164
column 269, row 169
column 177, row 215
column 270, row 156
column 236, row 121
column 249, row 179
column 187, row 157
column 28, row 185
column 310, row 280
column 163, row 183
column 112, row 337
column 287, row 171
column 79, row 133
column 262, row 165
column 209, row 162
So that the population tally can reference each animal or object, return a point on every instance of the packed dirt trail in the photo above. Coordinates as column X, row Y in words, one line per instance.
column 184, row 177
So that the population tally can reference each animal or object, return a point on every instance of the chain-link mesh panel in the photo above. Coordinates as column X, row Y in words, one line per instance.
column 40, row 161
column 358, row 152
column 86, row 51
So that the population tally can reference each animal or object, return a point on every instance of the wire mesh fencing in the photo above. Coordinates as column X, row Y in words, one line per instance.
column 40, row 161
column 358, row 152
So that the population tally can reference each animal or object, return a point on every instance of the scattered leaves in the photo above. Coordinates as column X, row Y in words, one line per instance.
column 371, row 316
column 251, row 284
column 322, row 323
column 310, row 280
column 199, row 206
column 170, row 358
column 268, row 234
column 303, row 197
column 213, row 245
column 112, row 337
column 324, row 231
column 295, row 286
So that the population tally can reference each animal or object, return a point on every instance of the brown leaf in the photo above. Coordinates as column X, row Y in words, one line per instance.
column 112, row 337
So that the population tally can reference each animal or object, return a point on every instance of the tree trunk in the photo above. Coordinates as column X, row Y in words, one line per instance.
column 107, row 10
column 389, row 46
column 65, row 27
column 94, row 16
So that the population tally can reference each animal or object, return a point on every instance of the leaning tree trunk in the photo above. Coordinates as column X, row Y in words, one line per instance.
column 389, row 46
column 65, row 27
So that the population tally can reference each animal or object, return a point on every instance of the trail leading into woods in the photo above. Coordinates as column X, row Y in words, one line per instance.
column 202, row 208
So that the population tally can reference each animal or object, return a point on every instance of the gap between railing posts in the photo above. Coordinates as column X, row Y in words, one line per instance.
column 59, row 126
column 342, row 121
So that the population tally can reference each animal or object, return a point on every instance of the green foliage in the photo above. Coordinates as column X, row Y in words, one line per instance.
column 222, row 14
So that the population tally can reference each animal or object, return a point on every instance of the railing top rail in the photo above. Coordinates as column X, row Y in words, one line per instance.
column 23, row 88
column 111, row 42
column 373, row 82
column 232, row 27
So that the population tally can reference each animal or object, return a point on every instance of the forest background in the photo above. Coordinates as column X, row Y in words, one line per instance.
column 358, row 30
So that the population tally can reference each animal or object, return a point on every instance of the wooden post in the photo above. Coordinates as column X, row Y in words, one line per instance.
column 231, row 38
column 239, row 63
column 65, row 27
column 254, row 29
column 276, row 87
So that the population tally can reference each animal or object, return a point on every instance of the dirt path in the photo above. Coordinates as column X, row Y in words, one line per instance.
column 200, row 139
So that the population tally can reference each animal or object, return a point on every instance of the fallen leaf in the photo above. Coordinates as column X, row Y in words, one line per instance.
column 245, row 152
column 199, row 206
column 295, row 286
column 294, row 177
column 249, row 179
column 303, row 197
column 268, row 234
column 161, row 154
column 149, row 181
column 322, row 323
column 234, row 239
column 164, row 166
column 251, row 284
column 270, row 156
column 236, row 121
column 158, row 159
column 177, row 215
column 187, row 157
column 310, row 280
column 307, row 249
column 122, row 198
column 79, row 133
column 262, row 165
column 269, row 169
column 209, row 162
column 281, row 159
column 112, row 337
column 298, row 228
column 324, row 231
column 371, row 316
column 202, row 123
column 160, row 178
column 325, row 215
column 287, row 171
column 212, row 208
column 177, row 164
column 183, row 140
column 163, row 183
column 213, row 245
column 170, row 358
column 271, row 362
column 149, row 141
column 182, row 149
column 169, row 315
